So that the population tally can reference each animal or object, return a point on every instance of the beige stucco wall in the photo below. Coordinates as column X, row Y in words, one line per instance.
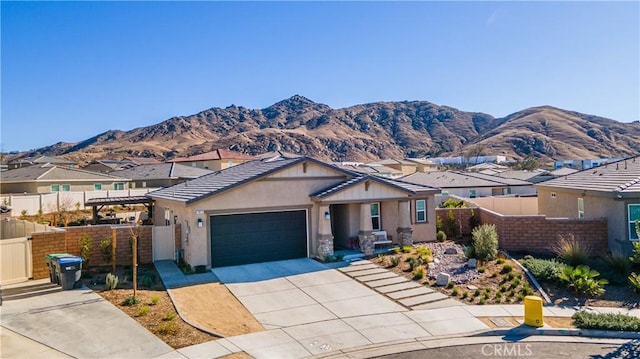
column 19, row 187
column 565, row 205
column 508, row 205
column 425, row 231
column 80, row 186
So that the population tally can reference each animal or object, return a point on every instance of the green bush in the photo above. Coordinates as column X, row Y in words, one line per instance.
column 477, row 292
column 418, row 273
column 424, row 251
column 85, row 243
column 507, row 268
column 503, row 288
column 441, row 236
column 482, row 301
column 635, row 258
column 396, row 250
column 451, row 284
column 131, row 300
column 455, row 292
column 407, row 249
column 168, row 316
column 143, row 311
column 453, row 203
column 464, row 295
column 395, row 261
column 415, row 262
column 582, row 280
column 634, row 279
column 544, row 270
column 500, row 261
column 618, row 267
column 469, row 252
column 105, row 249
column 485, row 242
column 155, row 299
column 608, row 321
column 570, row 251
column 167, row 328
column 481, row 269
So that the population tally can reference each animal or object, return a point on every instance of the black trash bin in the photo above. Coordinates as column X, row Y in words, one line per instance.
column 69, row 271
column 51, row 263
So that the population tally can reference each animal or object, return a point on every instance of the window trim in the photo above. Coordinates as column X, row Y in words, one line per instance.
column 379, row 228
column 97, row 186
column 115, row 186
column 631, row 222
column 474, row 192
column 580, row 207
column 423, row 210
column 56, row 186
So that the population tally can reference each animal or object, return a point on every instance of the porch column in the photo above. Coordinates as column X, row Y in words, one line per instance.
column 405, row 232
column 365, row 236
column 325, row 237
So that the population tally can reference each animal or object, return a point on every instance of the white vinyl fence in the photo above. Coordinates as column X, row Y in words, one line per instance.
column 164, row 244
column 13, row 228
column 54, row 202
column 15, row 260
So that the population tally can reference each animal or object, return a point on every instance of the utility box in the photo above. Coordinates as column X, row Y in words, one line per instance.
column 533, row 311
column 69, row 271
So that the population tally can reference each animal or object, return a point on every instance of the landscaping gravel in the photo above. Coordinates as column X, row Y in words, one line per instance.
column 452, row 264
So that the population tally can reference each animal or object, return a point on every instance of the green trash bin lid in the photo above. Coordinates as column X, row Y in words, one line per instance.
column 59, row 255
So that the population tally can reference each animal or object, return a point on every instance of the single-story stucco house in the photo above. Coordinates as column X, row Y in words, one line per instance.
column 610, row 191
column 267, row 210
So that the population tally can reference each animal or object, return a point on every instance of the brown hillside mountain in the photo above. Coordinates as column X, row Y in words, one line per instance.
column 365, row 132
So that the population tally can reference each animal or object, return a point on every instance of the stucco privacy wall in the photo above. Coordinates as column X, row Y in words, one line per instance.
column 539, row 234
column 66, row 241
column 282, row 190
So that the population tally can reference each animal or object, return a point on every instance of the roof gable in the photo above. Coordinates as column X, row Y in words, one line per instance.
column 377, row 188
column 55, row 173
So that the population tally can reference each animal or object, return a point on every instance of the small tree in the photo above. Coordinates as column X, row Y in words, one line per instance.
column 485, row 241
column 86, row 245
column 23, row 214
column 105, row 249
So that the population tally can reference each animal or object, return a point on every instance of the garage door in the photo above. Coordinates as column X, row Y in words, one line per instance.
column 258, row 237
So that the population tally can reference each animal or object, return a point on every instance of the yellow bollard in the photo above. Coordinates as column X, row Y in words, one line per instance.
column 533, row 311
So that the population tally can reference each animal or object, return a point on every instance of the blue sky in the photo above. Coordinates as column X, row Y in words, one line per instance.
column 71, row 70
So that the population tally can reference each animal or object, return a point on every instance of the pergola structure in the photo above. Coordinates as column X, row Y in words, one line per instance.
column 98, row 203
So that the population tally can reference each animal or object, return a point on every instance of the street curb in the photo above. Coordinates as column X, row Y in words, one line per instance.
column 589, row 333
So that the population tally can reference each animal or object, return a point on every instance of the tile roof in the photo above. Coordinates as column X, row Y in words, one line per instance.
column 143, row 160
column 615, row 177
column 219, row 154
column 161, row 171
column 563, row 171
column 54, row 173
column 410, row 188
column 454, row 179
column 371, row 169
column 392, row 161
column 277, row 154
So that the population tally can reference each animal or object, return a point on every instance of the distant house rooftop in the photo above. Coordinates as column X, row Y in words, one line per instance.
column 455, row 179
column 54, row 173
column 219, row 154
column 161, row 171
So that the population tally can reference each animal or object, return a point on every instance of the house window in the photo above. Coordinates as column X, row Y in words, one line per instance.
column 66, row 187
column 118, row 186
column 553, row 195
column 375, row 216
column 634, row 215
column 144, row 184
column 421, row 210
column 55, row 188
column 167, row 217
column 580, row 207
column 97, row 186
column 472, row 193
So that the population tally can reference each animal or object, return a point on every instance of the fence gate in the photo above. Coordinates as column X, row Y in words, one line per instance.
column 164, row 244
column 15, row 260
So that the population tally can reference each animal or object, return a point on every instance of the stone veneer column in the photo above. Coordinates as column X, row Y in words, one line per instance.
column 325, row 237
column 405, row 232
column 365, row 236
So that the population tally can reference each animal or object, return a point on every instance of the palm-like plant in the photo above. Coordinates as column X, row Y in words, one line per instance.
column 634, row 279
column 582, row 279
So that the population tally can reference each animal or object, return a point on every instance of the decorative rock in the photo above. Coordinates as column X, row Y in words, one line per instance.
column 431, row 266
column 442, row 279
column 436, row 260
column 451, row 250
column 472, row 287
column 472, row 263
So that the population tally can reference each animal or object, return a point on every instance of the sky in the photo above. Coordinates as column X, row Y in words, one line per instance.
column 72, row 70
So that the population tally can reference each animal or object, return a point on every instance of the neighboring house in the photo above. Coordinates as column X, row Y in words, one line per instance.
column 143, row 160
column 214, row 160
column 611, row 191
column 42, row 160
column 46, row 179
column 486, row 166
column 404, row 166
column 271, row 210
column 535, row 176
column 423, row 165
column 160, row 175
column 563, row 171
column 274, row 155
column 583, row 164
column 471, row 185
column 471, row 160
column 107, row 166
column 378, row 170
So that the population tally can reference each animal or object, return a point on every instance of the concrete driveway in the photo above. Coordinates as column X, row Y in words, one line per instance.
column 74, row 323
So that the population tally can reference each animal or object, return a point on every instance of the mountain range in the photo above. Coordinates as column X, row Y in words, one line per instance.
column 365, row 132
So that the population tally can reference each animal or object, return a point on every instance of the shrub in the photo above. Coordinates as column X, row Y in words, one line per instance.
column 111, row 281
column 464, row 295
column 168, row 316
column 469, row 252
column 23, row 215
column 618, row 267
column 608, row 321
column 155, row 299
column 477, row 292
column 498, row 296
column 85, row 243
column 148, row 279
column 500, row 261
column 415, row 262
column 544, row 270
column 439, row 224
column 395, row 261
column 482, row 301
column 511, row 293
column 634, row 279
column 451, row 284
column 143, row 311
column 407, row 249
column 507, row 268
column 418, row 273
column 510, row 276
column 635, row 258
column 396, row 250
column 451, row 226
column 520, row 297
column 453, row 203
column 485, row 242
column 582, row 279
column 167, row 328
column 570, row 251
column 441, row 236
column 494, row 274
column 427, row 258
column 131, row 300
column 105, row 249
column 455, row 292
column 474, row 220
column 481, row 269
column 487, row 295
column 424, row 251
column 503, row 288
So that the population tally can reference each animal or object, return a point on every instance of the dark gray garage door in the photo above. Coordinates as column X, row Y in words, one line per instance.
column 258, row 237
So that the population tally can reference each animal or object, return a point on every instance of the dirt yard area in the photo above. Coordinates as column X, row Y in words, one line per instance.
column 213, row 307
